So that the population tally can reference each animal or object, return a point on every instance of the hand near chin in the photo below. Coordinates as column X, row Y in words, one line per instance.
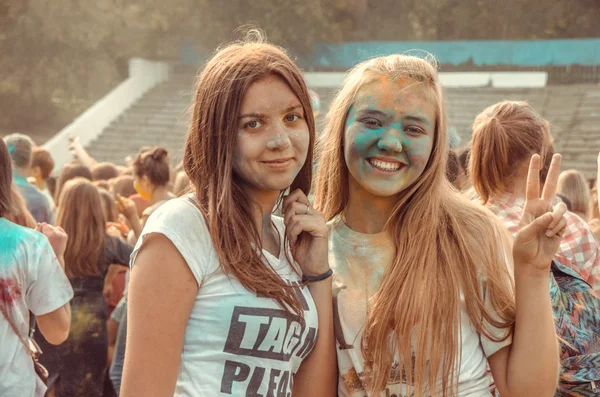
column 306, row 230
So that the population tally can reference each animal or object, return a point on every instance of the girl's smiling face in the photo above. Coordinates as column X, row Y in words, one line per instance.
column 388, row 136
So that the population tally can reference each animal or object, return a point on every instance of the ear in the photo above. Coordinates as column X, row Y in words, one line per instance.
column 35, row 172
column 145, row 182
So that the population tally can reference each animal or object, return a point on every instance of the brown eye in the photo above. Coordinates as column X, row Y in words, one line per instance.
column 254, row 124
column 290, row 118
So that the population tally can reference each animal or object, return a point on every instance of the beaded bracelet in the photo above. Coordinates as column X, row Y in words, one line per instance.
column 320, row 277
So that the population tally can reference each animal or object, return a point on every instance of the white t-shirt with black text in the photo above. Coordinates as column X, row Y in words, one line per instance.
column 236, row 343
column 31, row 279
column 359, row 261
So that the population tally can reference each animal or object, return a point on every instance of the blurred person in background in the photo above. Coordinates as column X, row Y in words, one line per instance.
column 123, row 186
column 20, row 148
column 32, row 279
column 42, row 165
column 70, row 171
column 19, row 213
column 500, row 177
column 90, row 254
column 315, row 102
column 181, row 184
column 504, row 137
column 452, row 168
column 462, row 179
column 595, row 205
column 104, row 171
column 572, row 185
column 151, row 176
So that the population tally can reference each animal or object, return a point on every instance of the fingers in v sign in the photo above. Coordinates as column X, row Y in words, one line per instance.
column 541, row 226
column 306, row 230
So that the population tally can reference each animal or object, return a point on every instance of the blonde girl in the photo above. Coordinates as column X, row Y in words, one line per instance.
column 422, row 294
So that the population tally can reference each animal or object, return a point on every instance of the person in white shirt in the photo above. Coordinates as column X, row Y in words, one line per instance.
column 32, row 279
column 423, row 299
column 224, row 298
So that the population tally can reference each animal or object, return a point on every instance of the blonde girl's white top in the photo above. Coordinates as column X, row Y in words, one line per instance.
column 359, row 261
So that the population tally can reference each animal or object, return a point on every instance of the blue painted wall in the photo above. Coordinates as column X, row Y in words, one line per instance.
column 535, row 53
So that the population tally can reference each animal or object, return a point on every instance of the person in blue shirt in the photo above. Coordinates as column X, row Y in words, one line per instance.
column 20, row 147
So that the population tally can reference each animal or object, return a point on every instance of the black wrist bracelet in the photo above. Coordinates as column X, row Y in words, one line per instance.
column 320, row 277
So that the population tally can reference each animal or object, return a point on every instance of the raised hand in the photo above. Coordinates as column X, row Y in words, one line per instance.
column 306, row 230
column 56, row 236
column 542, row 226
column 126, row 206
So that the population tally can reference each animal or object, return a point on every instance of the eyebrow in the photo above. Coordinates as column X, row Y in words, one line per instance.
column 262, row 115
column 372, row 112
column 417, row 119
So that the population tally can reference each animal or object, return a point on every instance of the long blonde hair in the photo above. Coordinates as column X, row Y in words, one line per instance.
column 424, row 282
column 572, row 184
column 80, row 215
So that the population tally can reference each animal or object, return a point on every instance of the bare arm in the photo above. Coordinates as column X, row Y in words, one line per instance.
column 55, row 325
column 529, row 367
column 79, row 153
column 317, row 375
column 161, row 296
column 113, row 270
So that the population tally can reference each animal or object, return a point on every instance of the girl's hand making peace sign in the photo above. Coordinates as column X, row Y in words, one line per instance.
column 542, row 226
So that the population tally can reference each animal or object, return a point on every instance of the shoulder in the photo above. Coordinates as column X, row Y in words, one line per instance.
column 17, row 235
column 33, row 193
column 182, row 223
column 176, row 213
column 22, row 243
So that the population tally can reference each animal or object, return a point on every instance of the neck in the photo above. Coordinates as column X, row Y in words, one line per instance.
column 366, row 213
column 160, row 194
column 40, row 183
column 20, row 173
column 264, row 203
column 518, row 186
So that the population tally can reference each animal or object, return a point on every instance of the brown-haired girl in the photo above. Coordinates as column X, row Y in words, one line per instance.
column 422, row 289
column 81, row 360
column 70, row 171
column 151, row 176
column 217, row 306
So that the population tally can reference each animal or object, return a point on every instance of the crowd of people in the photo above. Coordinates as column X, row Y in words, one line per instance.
column 363, row 258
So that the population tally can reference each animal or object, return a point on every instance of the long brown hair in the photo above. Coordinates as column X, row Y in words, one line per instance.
column 12, row 203
column 505, row 135
column 444, row 246
column 6, row 203
column 208, row 158
column 69, row 172
column 80, row 215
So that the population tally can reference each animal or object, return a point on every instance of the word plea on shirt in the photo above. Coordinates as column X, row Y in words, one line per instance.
column 273, row 335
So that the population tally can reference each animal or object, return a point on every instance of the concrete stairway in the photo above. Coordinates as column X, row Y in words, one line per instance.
column 161, row 118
